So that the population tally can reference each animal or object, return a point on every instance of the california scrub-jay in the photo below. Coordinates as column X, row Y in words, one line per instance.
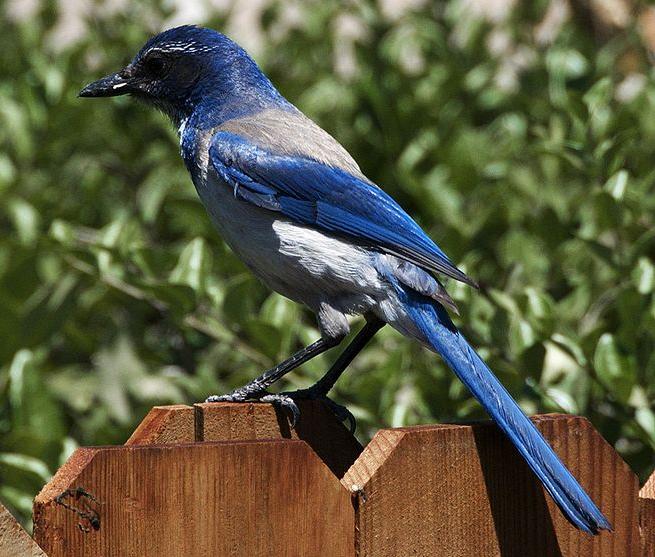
column 293, row 204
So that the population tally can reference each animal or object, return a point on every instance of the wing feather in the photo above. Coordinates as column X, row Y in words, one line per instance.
column 331, row 199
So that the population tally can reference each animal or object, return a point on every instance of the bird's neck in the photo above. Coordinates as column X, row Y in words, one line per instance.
column 235, row 90
column 216, row 109
column 196, row 128
column 226, row 92
column 218, row 103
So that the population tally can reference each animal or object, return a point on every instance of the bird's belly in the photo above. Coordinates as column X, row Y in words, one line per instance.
column 301, row 263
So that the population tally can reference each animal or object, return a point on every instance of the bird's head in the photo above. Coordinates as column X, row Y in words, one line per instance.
column 183, row 67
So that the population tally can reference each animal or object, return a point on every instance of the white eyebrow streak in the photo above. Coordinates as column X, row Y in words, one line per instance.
column 119, row 85
column 181, row 47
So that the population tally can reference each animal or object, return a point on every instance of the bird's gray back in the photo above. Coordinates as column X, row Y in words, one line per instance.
column 291, row 133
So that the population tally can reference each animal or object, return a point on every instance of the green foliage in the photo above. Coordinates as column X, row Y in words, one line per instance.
column 116, row 293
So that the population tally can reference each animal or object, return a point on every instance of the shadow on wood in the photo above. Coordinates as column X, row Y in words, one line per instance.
column 504, row 479
column 318, row 427
column 451, row 490
column 239, row 481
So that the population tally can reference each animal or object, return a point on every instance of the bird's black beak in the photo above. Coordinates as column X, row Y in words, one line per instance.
column 110, row 86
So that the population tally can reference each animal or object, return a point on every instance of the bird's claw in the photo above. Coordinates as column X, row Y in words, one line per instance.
column 235, row 396
column 341, row 412
column 287, row 401
column 281, row 400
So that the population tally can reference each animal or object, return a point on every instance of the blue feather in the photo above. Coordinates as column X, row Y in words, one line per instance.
column 440, row 333
column 331, row 199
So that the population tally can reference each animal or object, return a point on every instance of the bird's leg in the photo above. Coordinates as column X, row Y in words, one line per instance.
column 256, row 389
column 325, row 383
column 320, row 389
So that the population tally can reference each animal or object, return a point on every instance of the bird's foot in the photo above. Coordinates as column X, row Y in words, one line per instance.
column 247, row 395
column 312, row 393
column 287, row 401
column 237, row 395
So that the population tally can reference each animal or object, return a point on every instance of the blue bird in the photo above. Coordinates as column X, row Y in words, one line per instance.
column 295, row 207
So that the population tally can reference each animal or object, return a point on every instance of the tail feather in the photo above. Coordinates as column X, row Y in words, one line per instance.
column 439, row 331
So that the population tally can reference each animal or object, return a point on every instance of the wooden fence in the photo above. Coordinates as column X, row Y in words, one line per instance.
column 234, row 479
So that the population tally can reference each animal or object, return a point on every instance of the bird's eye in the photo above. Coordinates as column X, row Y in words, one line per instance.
column 155, row 65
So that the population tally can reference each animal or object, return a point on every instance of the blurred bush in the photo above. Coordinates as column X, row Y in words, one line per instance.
column 521, row 136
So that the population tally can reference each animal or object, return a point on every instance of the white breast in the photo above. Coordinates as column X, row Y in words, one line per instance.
column 301, row 263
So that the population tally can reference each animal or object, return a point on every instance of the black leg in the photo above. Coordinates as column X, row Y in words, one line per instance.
column 256, row 389
column 325, row 383
column 320, row 389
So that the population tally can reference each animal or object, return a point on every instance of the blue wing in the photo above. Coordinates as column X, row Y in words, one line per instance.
column 328, row 198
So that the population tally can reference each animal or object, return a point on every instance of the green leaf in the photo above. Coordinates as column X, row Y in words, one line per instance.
column 26, row 220
column 617, row 185
column 645, row 417
column 239, row 301
column 279, row 311
column 563, row 400
column 177, row 298
column 18, row 499
column 521, row 335
column 193, row 266
column 644, row 275
column 265, row 337
column 26, row 464
column 540, row 311
column 568, row 63
column 17, row 379
column 615, row 370
column 572, row 346
column 62, row 232
column 599, row 95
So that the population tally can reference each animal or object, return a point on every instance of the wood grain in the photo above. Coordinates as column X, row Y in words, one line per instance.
column 249, row 486
column 647, row 517
column 451, row 490
column 318, row 427
column 165, row 425
column 14, row 540
column 228, row 498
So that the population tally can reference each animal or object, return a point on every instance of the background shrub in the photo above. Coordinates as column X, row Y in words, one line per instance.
column 520, row 135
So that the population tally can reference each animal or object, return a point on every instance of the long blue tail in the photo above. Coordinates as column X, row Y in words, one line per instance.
column 434, row 323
